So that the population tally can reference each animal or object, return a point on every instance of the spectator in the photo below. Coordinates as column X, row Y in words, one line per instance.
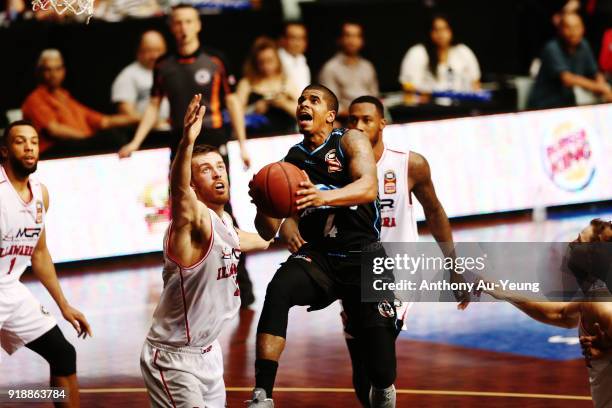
column 440, row 64
column 347, row 74
column 265, row 89
column 605, row 57
column 567, row 62
column 132, row 87
column 178, row 76
column 65, row 124
column 294, row 42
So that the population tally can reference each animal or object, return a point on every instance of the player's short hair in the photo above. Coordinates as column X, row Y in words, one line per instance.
column 330, row 98
column 373, row 100
column 204, row 149
column 7, row 131
column 591, row 260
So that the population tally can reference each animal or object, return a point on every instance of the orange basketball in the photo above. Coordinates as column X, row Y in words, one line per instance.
column 274, row 189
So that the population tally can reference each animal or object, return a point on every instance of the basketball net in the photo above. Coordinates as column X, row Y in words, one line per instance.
column 77, row 7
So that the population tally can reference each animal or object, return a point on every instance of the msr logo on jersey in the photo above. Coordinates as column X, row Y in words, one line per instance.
column 28, row 232
column 22, row 234
column 333, row 164
column 390, row 182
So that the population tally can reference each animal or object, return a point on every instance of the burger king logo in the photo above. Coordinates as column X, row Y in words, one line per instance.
column 568, row 155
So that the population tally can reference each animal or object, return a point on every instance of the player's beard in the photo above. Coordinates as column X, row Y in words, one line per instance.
column 20, row 169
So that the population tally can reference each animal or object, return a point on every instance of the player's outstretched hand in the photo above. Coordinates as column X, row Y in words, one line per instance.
column 77, row 320
column 310, row 195
column 194, row 117
column 462, row 296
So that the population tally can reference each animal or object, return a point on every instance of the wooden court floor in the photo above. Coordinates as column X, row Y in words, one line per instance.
column 119, row 297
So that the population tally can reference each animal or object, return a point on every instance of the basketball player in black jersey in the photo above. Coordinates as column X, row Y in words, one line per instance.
column 340, row 220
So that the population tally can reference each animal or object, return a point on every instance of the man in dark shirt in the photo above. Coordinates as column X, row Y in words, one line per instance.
column 567, row 62
column 178, row 77
column 181, row 75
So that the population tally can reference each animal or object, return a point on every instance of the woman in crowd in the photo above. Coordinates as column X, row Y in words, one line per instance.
column 440, row 64
column 269, row 97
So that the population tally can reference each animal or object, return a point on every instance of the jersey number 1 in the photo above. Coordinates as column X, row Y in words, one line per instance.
column 11, row 266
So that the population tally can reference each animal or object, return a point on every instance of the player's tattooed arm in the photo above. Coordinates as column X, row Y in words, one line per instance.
column 44, row 270
column 362, row 168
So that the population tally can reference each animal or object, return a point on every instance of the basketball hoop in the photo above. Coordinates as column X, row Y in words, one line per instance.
column 77, row 7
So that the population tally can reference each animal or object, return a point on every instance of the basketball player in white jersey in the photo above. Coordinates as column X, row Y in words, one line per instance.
column 400, row 176
column 588, row 259
column 24, row 202
column 181, row 360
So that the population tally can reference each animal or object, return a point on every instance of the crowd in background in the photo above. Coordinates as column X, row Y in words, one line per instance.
column 276, row 70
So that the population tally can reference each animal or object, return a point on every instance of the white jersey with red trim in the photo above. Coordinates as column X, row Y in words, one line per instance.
column 397, row 213
column 197, row 300
column 21, row 224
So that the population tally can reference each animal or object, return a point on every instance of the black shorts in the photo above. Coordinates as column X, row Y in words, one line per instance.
column 338, row 274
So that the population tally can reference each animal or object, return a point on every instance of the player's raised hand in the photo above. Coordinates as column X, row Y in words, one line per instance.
column 310, row 195
column 194, row 117
column 77, row 320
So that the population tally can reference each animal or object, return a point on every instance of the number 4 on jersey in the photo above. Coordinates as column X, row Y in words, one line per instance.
column 330, row 229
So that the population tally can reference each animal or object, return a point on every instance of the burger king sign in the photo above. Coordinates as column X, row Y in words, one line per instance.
column 567, row 150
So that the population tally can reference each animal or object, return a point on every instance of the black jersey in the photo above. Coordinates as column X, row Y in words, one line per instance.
column 180, row 77
column 333, row 227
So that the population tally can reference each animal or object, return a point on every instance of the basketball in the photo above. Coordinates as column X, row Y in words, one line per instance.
column 274, row 189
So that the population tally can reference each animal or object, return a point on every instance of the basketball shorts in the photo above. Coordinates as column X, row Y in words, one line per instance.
column 22, row 318
column 181, row 377
column 339, row 275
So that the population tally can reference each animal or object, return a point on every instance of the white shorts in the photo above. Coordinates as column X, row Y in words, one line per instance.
column 22, row 318
column 181, row 377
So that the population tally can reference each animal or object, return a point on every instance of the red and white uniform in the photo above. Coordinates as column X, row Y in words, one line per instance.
column 22, row 318
column 181, row 360
column 397, row 213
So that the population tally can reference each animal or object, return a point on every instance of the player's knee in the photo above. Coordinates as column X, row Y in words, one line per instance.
column 63, row 363
column 382, row 376
column 278, row 290
column 59, row 353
